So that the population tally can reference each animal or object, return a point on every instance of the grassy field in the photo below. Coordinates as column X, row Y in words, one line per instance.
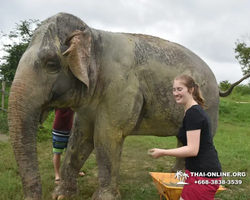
column 232, row 142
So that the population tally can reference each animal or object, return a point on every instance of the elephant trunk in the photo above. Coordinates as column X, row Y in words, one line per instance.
column 23, row 118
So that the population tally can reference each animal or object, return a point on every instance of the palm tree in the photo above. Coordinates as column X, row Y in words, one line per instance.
column 178, row 175
column 185, row 176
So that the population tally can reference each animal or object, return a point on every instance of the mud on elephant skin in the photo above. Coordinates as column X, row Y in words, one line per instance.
column 119, row 84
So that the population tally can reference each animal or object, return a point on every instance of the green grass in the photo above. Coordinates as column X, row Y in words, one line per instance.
column 232, row 142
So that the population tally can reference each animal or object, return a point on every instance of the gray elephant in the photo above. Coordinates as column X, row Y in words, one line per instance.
column 119, row 84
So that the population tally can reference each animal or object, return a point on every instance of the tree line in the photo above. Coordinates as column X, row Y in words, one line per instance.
column 18, row 41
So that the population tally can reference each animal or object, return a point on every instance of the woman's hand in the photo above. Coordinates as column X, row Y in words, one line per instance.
column 156, row 153
column 191, row 150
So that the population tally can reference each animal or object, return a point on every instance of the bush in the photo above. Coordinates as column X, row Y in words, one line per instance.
column 224, row 85
column 243, row 90
column 240, row 93
column 233, row 112
column 4, row 129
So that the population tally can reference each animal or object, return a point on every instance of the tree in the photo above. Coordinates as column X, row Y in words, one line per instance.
column 18, row 42
column 224, row 85
column 242, row 51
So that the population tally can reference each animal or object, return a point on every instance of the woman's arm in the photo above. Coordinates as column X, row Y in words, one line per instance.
column 192, row 148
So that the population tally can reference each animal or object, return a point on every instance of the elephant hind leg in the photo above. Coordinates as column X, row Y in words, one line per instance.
column 108, row 158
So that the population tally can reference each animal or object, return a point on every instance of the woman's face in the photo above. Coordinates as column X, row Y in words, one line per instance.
column 181, row 93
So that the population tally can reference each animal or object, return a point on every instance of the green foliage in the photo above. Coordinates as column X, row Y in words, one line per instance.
column 238, row 98
column 243, row 89
column 45, row 129
column 234, row 112
column 8, row 68
column 6, row 96
column 19, row 40
column 3, row 115
column 224, row 85
column 242, row 51
column 3, row 122
column 240, row 93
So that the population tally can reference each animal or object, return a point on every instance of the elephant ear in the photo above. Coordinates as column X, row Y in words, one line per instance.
column 78, row 55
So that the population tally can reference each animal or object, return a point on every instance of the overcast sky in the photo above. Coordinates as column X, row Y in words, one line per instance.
column 209, row 28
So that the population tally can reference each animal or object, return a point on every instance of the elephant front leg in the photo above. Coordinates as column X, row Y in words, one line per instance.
column 108, row 152
column 79, row 148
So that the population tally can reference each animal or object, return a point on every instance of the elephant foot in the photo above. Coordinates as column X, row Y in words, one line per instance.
column 63, row 191
column 31, row 198
column 54, row 196
column 107, row 194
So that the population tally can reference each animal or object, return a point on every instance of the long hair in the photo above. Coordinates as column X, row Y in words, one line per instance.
column 190, row 83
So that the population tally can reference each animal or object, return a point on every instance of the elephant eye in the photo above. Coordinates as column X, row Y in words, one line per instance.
column 52, row 67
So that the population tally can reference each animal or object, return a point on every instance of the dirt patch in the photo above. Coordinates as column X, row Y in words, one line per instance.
column 4, row 137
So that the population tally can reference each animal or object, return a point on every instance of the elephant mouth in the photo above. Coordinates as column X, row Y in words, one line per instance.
column 44, row 115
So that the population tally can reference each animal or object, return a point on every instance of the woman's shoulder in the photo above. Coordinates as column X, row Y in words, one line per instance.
column 196, row 110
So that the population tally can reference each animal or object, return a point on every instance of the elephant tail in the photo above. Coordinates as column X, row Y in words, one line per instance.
column 228, row 92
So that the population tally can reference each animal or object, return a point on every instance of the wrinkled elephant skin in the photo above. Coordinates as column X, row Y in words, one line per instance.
column 119, row 84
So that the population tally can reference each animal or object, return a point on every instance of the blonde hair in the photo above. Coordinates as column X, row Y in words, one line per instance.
column 190, row 83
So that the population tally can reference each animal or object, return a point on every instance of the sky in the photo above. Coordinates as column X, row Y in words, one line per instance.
column 209, row 28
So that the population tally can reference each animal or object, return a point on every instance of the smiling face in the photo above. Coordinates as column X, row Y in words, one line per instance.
column 181, row 93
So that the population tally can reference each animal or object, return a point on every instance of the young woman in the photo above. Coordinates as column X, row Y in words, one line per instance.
column 198, row 150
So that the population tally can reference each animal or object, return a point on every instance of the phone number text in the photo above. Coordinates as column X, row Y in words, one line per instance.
column 220, row 182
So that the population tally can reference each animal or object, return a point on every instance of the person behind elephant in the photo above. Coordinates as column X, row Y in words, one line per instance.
column 195, row 134
column 61, row 131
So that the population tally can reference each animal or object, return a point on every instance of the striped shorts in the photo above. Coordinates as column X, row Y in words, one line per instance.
column 60, row 140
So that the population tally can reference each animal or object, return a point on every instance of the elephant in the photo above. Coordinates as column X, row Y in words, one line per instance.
column 118, row 84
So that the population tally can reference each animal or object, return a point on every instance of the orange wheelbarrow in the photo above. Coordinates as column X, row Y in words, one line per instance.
column 164, row 182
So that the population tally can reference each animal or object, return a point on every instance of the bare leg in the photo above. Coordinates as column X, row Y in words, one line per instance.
column 56, row 162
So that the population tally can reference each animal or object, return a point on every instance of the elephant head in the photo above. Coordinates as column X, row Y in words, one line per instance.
column 49, row 75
